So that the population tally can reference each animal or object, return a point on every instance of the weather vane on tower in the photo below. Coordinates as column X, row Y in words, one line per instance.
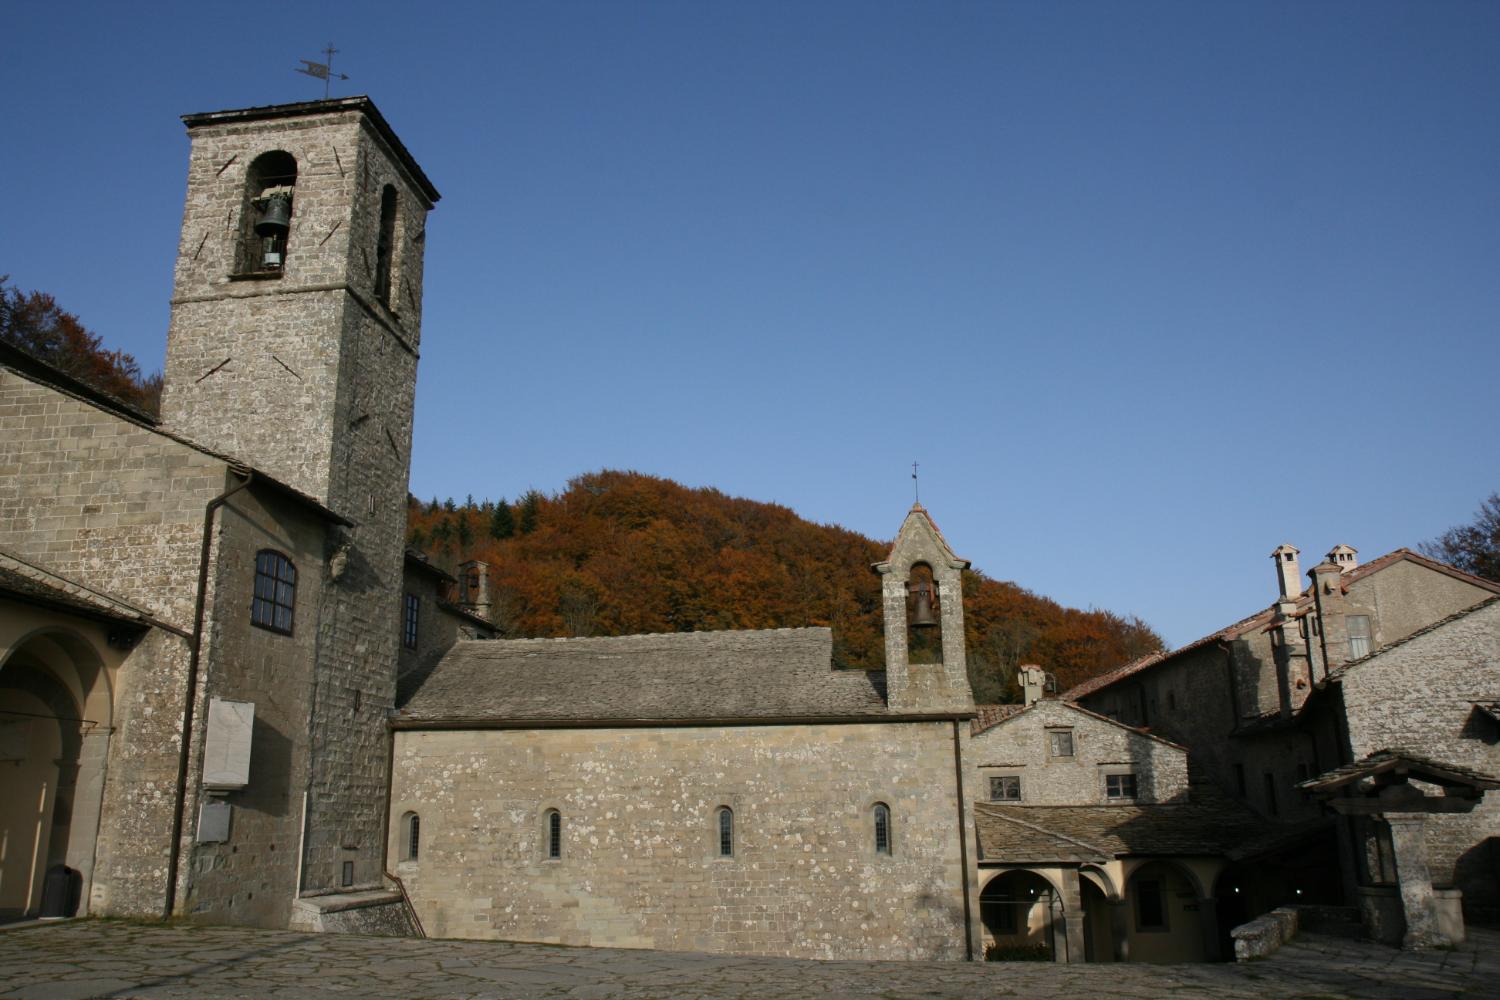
column 915, row 486
column 322, row 71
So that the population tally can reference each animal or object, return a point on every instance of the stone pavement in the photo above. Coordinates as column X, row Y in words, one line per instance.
column 101, row 958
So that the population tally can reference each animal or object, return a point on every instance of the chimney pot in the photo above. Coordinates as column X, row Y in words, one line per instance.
column 1288, row 573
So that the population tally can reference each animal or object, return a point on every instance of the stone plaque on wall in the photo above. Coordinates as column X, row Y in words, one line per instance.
column 226, row 748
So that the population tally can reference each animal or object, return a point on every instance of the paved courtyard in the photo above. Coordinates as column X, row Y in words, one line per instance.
column 75, row 960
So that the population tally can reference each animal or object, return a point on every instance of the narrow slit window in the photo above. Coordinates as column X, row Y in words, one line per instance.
column 554, row 834
column 726, row 832
column 412, row 835
column 275, row 592
column 385, row 245
column 409, row 624
column 882, row 828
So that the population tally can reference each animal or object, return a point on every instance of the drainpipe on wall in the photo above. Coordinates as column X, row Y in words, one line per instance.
column 190, row 694
column 963, row 839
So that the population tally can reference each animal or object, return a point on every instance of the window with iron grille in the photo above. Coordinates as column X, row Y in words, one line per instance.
column 882, row 828
column 275, row 592
column 409, row 624
column 412, row 835
column 726, row 832
column 1119, row 787
column 554, row 834
column 1005, row 788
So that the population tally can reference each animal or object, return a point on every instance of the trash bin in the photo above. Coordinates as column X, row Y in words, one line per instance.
column 60, row 892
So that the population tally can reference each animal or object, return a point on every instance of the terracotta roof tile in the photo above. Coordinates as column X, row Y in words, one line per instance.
column 1263, row 618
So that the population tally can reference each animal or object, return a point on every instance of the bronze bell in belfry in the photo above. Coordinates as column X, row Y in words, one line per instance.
column 276, row 218
column 921, row 613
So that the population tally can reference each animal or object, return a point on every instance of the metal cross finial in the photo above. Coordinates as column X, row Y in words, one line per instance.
column 916, row 494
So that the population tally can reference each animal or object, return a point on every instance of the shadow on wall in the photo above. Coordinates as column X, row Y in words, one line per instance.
column 1478, row 871
column 270, row 788
column 931, row 902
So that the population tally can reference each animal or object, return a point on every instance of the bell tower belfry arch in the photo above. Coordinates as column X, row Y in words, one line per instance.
column 922, row 591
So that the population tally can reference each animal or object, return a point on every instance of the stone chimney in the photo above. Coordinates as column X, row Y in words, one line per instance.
column 1033, row 683
column 1345, row 557
column 474, row 587
column 1288, row 572
column 1329, row 635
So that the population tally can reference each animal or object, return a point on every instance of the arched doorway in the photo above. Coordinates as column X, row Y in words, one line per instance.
column 1165, row 920
column 1021, row 914
column 54, row 732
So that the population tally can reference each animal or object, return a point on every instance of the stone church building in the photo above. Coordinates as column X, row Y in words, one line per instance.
column 228, row 691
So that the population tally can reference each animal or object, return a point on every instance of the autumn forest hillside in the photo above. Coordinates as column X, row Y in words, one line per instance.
column 619, row 553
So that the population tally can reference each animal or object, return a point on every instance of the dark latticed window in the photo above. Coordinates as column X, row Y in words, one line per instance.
column 882, row 828
column 1006, row 788
column 413, row 836
column 409, row 624
column 554, row 834
column 275, row 592
column 1119, row 786
column 726, row 833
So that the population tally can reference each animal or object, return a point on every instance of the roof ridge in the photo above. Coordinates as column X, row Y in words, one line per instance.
column 670, row 636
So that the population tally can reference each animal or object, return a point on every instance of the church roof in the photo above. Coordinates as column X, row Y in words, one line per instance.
column 23, row 580
column 782, row 675
column 1084, row 834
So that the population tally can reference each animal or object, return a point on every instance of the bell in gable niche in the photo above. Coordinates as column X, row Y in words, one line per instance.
column 921, row 612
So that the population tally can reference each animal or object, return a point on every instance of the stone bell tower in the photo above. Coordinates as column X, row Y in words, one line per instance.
column 296, row 322
column 922, row 597
column 297, row 298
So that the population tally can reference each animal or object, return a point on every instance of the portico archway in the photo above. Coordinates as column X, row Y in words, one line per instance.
column 55, row 712
column 1022, row 914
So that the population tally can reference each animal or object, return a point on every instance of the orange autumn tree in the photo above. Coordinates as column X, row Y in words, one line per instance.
column 619, row 553
column 35, row 323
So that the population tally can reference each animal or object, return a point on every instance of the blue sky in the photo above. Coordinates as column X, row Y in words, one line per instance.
column 1146, row 288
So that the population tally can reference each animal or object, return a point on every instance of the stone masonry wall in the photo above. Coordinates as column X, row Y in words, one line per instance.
column 1019, row 746
column 252, row 877
column 119, row 506
column 640, row 865
column 1420, row 696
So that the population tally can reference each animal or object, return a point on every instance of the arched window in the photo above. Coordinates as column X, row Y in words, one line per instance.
column 726, row 832
column 882, row 828
column 266, row 216
column 385, row 244
column 275, row 592
column 554, row 834
column 411, row 836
